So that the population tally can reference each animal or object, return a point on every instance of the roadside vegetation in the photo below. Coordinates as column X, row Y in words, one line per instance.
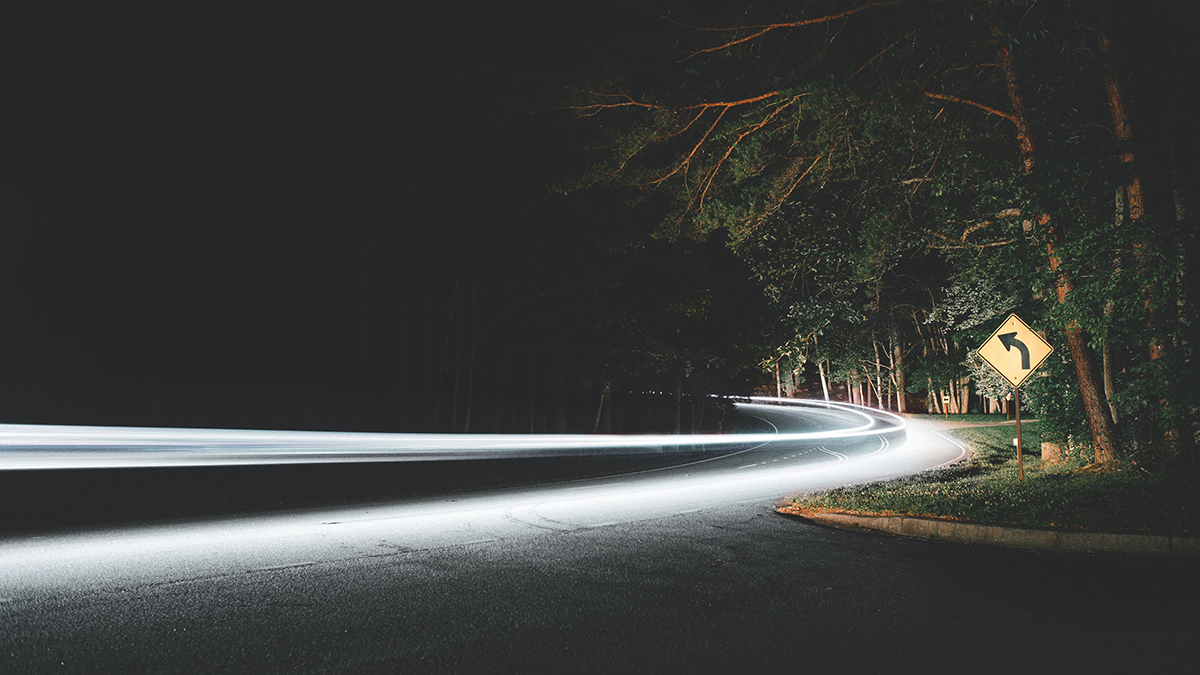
column 1066, row 493
column 898, row 193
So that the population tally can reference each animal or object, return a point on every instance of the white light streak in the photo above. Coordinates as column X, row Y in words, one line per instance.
column 59, row 564
column 88, row 447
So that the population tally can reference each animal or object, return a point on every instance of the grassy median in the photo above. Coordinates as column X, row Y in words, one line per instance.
column 1063, row 494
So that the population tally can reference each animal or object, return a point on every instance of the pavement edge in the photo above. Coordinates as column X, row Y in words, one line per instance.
column 1036, row 539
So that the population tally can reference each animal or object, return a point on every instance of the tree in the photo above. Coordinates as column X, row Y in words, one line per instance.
column 908, row 128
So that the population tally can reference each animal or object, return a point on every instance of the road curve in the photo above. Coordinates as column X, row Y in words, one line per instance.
column 49, row 447
column 58, row 589
column 37, row 564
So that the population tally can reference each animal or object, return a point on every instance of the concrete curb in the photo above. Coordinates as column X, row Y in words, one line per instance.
column 1035, row 539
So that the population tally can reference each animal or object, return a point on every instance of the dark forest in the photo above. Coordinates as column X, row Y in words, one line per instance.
column 335, row 217
column 531, row 217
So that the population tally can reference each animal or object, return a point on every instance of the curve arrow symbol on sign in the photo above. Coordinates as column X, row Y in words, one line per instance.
column 1009, row 340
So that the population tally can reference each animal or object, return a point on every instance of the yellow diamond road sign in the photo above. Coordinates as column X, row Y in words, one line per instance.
column 1014, row 350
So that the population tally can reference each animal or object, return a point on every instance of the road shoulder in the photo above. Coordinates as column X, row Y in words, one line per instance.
column 1046, row 540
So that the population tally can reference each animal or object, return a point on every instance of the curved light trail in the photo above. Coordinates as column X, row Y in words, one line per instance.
column 41, row 447
column 867, row 445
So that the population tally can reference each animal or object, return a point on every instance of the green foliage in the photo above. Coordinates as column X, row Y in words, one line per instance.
column 875, row 185
column 1052, row 396
column 985, row 489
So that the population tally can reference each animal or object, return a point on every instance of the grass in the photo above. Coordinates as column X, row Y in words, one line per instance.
column 971, row 418
column 985, row 489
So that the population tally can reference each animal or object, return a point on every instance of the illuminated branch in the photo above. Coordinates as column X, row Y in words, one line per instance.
column 795, row 183
column 594, row 108
column 712, row 174
column 702, row 107
column 883, row 51
column 689, row 124
column 929, row 171
column 827, row 152
column 767, row 28
column 625, row 101
column 954, row 99
column 972, row 246
column 1006, row 213
column 778, row 202
column 975, row 227
column 688, row 159
column 730, row 104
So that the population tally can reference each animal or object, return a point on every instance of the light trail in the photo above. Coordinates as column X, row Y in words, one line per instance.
column 39, row 447
column 46, row 565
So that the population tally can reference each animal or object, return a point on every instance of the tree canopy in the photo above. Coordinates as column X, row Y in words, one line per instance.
column 900, row 174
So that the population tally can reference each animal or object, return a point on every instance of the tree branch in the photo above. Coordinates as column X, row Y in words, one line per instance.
column 625, row 100
column 884, row 51
column 688, row 159
column 712, row 174
column 730, row 104
column 594, row 108
column 985, row 108
column 766, row 28
column 974, row 246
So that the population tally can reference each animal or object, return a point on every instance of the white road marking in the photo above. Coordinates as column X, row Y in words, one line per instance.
column 840, row 457
column 961, row 456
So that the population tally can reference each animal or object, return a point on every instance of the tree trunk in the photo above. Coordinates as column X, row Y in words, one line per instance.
column 898, row 373
column 1173, row 440
column 1099, row 423
column 1106, row 357
column 610, row 410
column 884, row 392
column 600, row 409
column 878, row 375
column 676, row 421
column 824, row 383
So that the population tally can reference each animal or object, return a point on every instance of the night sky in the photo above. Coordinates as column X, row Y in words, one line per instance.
column 281, row 214
column 335, row 215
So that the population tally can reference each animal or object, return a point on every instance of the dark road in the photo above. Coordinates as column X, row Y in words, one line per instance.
column 683, row 569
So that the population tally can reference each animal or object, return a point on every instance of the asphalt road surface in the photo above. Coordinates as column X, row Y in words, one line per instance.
column 667, row 569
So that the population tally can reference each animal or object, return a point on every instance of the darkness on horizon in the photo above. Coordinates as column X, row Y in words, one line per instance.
column 327, row 216
column 339, row 216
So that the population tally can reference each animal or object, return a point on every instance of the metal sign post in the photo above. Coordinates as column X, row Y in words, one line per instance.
column 1020, row 457
column 1015, row 351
